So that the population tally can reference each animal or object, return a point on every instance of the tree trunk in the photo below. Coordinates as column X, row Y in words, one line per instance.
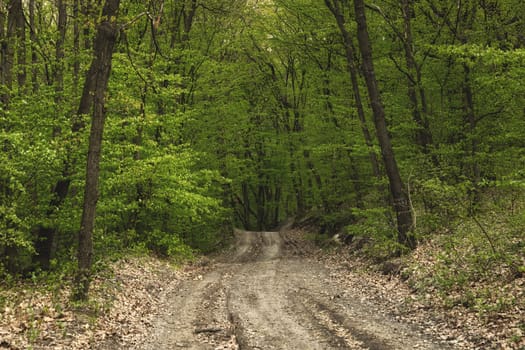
column 59, row 64
column 401, row 205
column 88, row 14
column 21, row 45
column 105, row 40
column 246, row 206
column 423, row 134
column 59, row 52
column 8, row 50
column 470, row 120
column 335, row 8
column 188, row 16
column 76, row 45
column 46, row 235
column 33, row 38
column 3, row 53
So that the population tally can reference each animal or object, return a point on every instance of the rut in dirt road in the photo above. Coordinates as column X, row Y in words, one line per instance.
column 270, row 296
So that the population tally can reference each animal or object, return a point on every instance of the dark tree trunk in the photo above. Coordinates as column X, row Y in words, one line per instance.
column 18, row 12
column 44, row 245
column 247, row 211
column 3, row 53
column 105, row 40
column 470, row 120
column 59, row 64
column 46, row 235
column 335, row 8
column 277, row 208
column 13, row 41
column 260, row 202
column 188, row 16
column 76, row 45
column 423, row 136
column 33, row 38
column 8, row 50
column 297, row 183
column 59, row 52
column 87, row 13
column 401, row 205
column 315, row 174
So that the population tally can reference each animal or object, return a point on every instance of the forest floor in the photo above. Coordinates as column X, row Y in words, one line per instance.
column 272, row 290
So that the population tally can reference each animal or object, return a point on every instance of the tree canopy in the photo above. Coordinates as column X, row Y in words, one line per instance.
column 387, row 120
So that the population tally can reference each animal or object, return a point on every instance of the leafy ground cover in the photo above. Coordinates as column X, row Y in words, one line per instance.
column 124, row 295
column 473, row 297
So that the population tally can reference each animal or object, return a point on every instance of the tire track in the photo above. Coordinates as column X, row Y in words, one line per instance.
column 270, row 296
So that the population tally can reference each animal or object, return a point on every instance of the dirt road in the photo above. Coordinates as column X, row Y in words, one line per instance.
column 267, row 295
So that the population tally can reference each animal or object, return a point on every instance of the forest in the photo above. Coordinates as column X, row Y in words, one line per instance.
column 158, row 126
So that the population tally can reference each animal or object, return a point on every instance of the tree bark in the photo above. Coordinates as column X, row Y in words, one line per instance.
column 3, row 54
column 8, row 50
column 87, row 13
column 400, row 199
column 59, row 51
column 59, row 63
column 18, row 12
column 76, row 45
column 33, row 38
column 335, row 7
column 470, row 120
column 188, row 16
column 46, row 235
column 423, row 134
column 105, row 40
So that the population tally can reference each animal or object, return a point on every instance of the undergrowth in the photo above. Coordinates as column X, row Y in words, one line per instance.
column 479, row 264
column 471, row 256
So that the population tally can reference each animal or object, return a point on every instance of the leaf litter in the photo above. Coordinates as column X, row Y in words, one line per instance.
column 125, row 301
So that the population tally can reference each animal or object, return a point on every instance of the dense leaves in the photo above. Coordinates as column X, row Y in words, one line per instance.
column 244, row 113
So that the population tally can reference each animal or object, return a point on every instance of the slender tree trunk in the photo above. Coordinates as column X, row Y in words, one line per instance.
column 188, row 16
column 423, row 136
column 8, row 48
column 33, row 38
column 401, row 205
column 277, row 208
column 297, row 185
column 21, row 46
column 3, row 53
column 245, row 203
column 315, row 174
column 59, row 62
column 87, row 14
column 15, row 42
column 260, row 202
column 471, row 122
column 105, row 40
column 59, row 51
column 335, row 8
column 76, row 45
column 46, row 234
column 45, row 246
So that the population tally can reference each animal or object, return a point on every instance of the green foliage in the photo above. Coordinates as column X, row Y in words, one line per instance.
column 441, row 203
column 163, row 201
column 166, row 244
column 248, row 117
column 467, row 269
column 373, row 224
column 29, row 162
column 477, row 54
